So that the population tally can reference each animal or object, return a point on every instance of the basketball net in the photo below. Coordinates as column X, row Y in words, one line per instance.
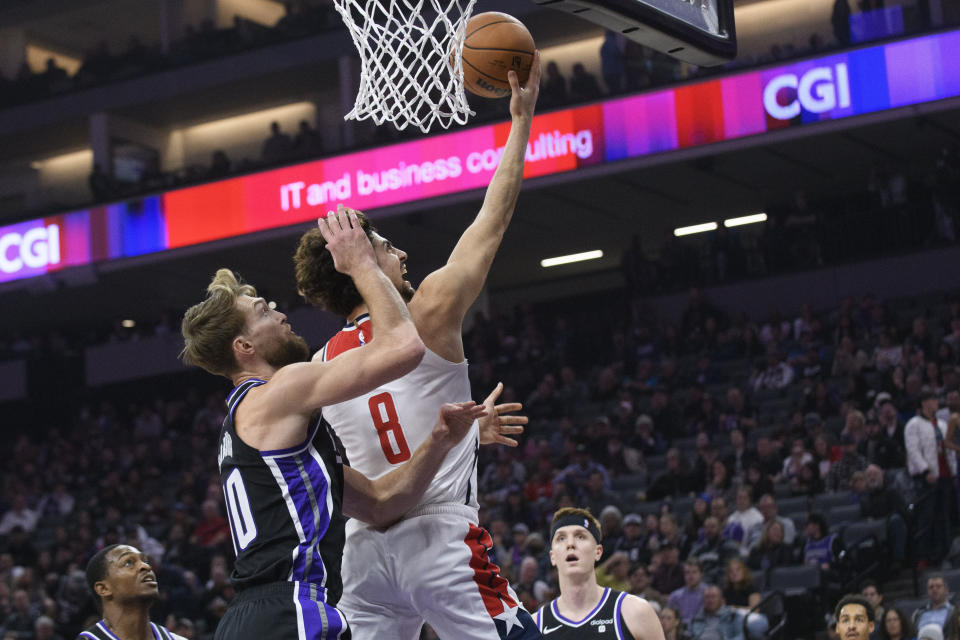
column 411, row 60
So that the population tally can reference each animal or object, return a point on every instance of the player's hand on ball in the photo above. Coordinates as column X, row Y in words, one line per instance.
column 524, row 99
column 455, row 420
column 346, row 241
column 495, row 428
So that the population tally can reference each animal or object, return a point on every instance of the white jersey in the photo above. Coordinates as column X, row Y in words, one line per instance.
column 380, row 430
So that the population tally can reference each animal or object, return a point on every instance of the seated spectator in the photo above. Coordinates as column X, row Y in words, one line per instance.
column 675, row 481
column 877, row 448
column 633, row 542
column 768, row 458
column 645, row 439
column 213, row 530
column 759, row 480
column 767, row 506
column 20, row 622
column 841, row 471
column 719, row 484
column 714, row 620
column 938, row 610
column 668, row 574
column 56, row 504
column 688, row 599
column 673, row 627
column 738, row 584
column 896, row 625
column 808, row 482
column 614, row 572
column 575, row 475
column 771, row 551
column 746, row 516
column 669, row 533
column 737, row 414
column 640, row 585
column 798, row 457
column 700, row 512
column 848, row 360
column 870, row 591
column 885, row 503
column 45, row 629
column 595, row 496
column 821, row 546
column 713, row 553
column 19, row 515
column 739, row 459
column 777, row 374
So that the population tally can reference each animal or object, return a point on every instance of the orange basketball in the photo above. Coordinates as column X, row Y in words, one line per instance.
column 495, row 43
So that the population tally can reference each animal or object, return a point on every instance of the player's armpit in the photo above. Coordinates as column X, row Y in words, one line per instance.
column 641, row 619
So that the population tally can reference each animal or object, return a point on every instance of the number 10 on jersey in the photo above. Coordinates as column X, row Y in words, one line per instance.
column 387, row 423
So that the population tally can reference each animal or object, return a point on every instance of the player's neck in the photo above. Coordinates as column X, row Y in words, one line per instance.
column 129, row 623
column 579, row 595
column 357, row 312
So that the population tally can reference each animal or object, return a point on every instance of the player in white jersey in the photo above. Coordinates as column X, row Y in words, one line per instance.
column 432, row 565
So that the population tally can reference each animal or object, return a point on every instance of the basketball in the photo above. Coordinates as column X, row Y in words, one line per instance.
column 495, row 44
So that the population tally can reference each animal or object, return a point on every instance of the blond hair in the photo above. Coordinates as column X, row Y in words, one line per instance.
column 209, row 327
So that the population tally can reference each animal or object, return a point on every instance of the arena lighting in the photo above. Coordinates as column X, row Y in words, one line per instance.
column 128, row 324
column 736, row 222
column 696, row 228
column 272, row 304
column 573, row 257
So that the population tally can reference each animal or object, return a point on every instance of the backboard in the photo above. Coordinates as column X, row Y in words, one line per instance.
column 700, row 32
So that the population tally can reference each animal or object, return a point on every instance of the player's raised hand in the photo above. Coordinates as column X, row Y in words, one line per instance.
column 455, row 420
column 346, row 241
column 496, row 427
column 524, row 99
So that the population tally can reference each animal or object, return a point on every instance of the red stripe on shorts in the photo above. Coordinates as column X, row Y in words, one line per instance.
column 492, row 586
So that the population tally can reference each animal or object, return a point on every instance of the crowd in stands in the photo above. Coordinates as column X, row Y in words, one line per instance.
column 720, row 454
column 198, row 43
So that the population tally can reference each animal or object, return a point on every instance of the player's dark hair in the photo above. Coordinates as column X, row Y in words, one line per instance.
column 97, row 571
column 854, row 598
column 318, row 281
column 820, row 521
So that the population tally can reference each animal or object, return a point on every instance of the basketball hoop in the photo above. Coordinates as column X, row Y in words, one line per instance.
column 411, row 60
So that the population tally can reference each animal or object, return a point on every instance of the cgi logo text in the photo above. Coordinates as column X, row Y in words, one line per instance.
column 818, row 90
column 35, row 248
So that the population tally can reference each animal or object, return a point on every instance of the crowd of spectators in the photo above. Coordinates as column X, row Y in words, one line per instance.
column 198, row 43
column 714, row 451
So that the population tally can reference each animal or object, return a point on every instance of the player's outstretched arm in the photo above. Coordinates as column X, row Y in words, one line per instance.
column 449, row 291
column 495, row 427
column 383, row 501
column 398, row 349
column 641, row 619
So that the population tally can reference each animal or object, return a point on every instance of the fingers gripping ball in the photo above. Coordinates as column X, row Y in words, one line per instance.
column 495, row 44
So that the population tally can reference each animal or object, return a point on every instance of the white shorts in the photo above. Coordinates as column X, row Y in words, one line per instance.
column 430, row 567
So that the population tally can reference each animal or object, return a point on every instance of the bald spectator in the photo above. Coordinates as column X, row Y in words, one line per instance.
column 714, row 620
column 767, row 506
column 938, row 609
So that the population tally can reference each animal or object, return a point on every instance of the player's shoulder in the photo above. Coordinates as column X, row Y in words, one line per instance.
column 350, row 337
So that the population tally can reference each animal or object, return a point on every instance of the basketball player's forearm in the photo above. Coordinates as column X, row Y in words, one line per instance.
column 387, row 309
column 400, row 490
column 501, row 197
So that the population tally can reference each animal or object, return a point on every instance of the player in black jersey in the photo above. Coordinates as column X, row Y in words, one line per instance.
column 585, row 610
column 124, row 587
column 281, row 469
